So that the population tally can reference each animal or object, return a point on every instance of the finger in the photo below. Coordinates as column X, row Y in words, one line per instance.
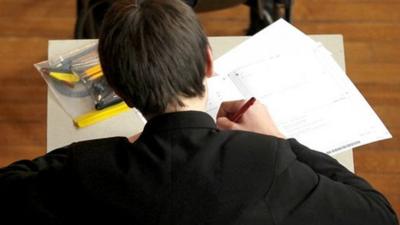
column 229, row 107
column 224, row 123
column 134, row 137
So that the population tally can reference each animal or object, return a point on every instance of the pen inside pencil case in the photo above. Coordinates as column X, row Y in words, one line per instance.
column 92, row 77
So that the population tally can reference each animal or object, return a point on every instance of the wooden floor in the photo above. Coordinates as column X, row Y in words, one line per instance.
column 371, row 30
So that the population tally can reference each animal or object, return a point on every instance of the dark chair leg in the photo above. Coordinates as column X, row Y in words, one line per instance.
column 265, row 12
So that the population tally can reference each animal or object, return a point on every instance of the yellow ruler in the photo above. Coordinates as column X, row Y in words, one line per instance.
column 100, row 115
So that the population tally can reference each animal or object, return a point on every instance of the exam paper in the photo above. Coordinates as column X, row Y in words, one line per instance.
column 222, row 89
column 308, row 95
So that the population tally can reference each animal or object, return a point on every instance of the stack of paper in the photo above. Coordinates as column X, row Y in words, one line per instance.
column 308, row 95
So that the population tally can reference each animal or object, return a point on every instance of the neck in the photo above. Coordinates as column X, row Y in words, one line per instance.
column 190, row 104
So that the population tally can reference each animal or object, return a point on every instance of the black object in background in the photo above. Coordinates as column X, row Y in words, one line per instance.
column 265, row 12
column 90, row 14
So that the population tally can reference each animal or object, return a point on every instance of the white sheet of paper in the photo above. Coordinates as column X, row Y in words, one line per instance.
column 308, row 95
column 220, row 89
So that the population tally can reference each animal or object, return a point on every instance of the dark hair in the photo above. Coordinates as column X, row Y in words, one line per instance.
column 153, row 52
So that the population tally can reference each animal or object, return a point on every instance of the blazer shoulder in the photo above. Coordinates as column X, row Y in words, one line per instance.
column 268, row 150
column 98, row 145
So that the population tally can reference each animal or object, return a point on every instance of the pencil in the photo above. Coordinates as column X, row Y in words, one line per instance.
column 93, row 70
column 242, row 110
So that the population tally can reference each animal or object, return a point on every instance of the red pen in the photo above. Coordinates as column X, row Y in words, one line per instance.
column 242, row 110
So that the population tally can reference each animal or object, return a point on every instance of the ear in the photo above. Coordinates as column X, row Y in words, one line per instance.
column 209, row 63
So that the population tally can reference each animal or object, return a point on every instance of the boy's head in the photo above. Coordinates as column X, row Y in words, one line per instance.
column 154, row 53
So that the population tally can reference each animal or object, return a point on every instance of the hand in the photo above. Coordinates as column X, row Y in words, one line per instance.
column 133, row 138
column 255, row 119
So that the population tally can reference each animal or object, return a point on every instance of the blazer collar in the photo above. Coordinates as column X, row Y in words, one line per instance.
column 179, row 120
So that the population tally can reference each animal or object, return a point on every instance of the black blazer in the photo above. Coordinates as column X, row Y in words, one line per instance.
column 184, row 171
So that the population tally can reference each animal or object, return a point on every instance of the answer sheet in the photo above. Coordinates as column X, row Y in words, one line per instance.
column 307, row 93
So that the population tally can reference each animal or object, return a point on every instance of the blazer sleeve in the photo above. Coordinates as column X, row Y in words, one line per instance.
column 33, row 190
column 317, row 189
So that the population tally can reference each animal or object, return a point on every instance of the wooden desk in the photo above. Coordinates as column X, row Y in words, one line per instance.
column 61, row 131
